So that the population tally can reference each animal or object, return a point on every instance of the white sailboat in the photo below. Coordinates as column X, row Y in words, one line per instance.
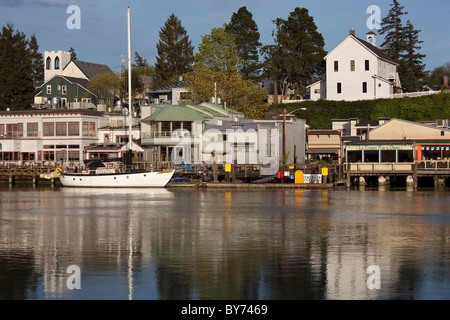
column 116, row 177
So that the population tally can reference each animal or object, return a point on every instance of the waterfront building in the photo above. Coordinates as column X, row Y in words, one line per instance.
column 214, row 133
column 48, row 135
column 400, row 140
column 324, row 145
column 357, row 70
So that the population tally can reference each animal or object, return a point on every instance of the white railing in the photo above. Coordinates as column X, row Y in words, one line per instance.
column 165, row 134
column 414, row 94
column 7, row 135
column 433, row 165
column 380, row 166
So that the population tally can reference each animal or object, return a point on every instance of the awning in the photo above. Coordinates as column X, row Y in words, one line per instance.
column 323, row 151
column 437, row 148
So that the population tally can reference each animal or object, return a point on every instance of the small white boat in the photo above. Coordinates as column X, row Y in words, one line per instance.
column 102, row 179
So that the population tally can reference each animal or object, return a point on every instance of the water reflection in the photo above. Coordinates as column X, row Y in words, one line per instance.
column 223, row 244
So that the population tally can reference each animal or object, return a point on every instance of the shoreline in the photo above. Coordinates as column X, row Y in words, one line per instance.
column 249, row 185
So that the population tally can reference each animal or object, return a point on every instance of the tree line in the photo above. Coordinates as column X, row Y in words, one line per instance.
column 229, row 63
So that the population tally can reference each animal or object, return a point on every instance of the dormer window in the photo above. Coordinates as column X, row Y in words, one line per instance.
column 48, row 63
column 57, row 63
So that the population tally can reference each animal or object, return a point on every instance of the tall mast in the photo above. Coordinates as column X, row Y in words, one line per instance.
column 130, row 109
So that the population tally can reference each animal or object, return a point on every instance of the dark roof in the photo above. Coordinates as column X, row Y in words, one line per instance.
column 51, row 111
column 82, row 82
column 377, row 51
column 364, row 123
column 91, row 69
column 169, row 87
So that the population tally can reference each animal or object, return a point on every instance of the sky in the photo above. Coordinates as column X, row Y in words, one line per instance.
column 99, row 33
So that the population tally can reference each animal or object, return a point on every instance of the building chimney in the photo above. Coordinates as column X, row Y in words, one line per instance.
column 351, row 32
column 446, row 82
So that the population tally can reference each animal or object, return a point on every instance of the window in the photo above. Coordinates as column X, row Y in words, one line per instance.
column 32, row 129
column 388, row 155
column 20, row 129
column 12, row 131
column 339, row 87
column 64, row 90
column 73, row 155
column 364, row 87
column 367, row 65
column 49, row 129
column 336, row 66
column 85, row 128
column 89, row 129
column 48, row 63
column 48, row 155
column 61, row 129
column 56, row 63
column 352, row 65
column 49, row 89
column 2, row 130
column 74, row 128
column 92, row 129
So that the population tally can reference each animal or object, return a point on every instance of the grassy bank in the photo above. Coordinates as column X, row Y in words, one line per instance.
column 318, row 114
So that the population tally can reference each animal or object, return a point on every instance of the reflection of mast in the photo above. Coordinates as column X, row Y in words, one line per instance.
column 129, row 81
column 130, row 260
column 130, row 244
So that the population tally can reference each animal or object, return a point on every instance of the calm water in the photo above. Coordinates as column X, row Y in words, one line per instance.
column 224, row 244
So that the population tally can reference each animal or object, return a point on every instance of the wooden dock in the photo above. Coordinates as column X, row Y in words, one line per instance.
column 33, row 174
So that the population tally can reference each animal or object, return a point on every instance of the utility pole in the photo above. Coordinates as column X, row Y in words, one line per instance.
column 284, row 132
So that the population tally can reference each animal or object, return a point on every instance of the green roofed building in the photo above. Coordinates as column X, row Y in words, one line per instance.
column 209, row 132
column 164, row 126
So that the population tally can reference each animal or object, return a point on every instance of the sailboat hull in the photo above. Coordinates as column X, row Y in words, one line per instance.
column 156, row 179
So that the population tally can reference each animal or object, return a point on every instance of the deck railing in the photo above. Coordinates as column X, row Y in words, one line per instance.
column 8, row 135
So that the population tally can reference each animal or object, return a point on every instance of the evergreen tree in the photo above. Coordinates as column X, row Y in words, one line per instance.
column 139, row 61
column 412, row 70
column 175, row 52
column 73, row 55
column 246, row 36
column 392, row 28
column 301, row 49
column 272, row 67
column 16, row 80
column 37, row 62
column 402, row 44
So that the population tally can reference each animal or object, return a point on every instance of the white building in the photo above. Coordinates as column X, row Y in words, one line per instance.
column 50, row 135
column 357, row 70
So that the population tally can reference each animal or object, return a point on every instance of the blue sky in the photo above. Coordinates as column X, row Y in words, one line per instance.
column 103, row 37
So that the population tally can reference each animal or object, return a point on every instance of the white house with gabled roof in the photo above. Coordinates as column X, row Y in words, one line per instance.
column 357, row 70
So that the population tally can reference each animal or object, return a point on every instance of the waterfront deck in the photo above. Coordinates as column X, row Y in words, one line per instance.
column 250, row 176
column 438, row 169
